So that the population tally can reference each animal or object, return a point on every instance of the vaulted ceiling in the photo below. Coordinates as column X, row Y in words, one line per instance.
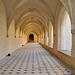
column 31, row 15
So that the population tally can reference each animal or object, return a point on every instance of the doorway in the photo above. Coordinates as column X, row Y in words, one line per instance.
column 31, row 38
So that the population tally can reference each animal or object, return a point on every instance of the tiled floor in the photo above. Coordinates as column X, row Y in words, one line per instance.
column 32, row 59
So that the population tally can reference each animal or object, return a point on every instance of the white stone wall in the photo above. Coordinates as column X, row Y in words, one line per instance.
column 10, row 44
column 3, row 31
column 17, row 42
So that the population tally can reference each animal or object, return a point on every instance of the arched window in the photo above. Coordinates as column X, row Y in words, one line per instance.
column 64, row 34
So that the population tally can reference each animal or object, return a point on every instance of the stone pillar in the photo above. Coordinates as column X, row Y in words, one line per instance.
column 46, row 38
column 73, row 44
column 37, row 38
column 41, row 38
column 49, row 38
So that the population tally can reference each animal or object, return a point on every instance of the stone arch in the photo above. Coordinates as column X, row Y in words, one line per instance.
column 35, row 37
column 63, row 25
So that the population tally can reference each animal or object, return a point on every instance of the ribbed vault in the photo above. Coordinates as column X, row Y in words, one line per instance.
column 31, row 15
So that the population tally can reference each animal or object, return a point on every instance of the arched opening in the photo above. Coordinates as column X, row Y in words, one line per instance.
column 64, row 34
column 31, row 38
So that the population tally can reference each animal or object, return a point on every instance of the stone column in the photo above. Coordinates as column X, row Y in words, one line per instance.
column 37, row 38
column 46, row 38
column 42, row 38
column 49, row 39
column 73, row 44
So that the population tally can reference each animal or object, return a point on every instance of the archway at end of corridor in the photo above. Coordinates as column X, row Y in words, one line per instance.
column 32, row 37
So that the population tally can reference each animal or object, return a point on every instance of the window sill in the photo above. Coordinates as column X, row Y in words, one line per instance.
column 65, row 52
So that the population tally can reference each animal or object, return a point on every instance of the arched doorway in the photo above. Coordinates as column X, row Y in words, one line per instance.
column 31, row 38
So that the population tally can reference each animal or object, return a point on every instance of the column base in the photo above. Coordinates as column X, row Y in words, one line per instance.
column 73, row 53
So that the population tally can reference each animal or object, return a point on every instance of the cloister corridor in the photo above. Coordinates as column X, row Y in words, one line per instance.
column 37, row 37
column 32, row 59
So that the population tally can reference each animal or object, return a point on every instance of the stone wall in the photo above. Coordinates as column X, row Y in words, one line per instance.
column 8, row 44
